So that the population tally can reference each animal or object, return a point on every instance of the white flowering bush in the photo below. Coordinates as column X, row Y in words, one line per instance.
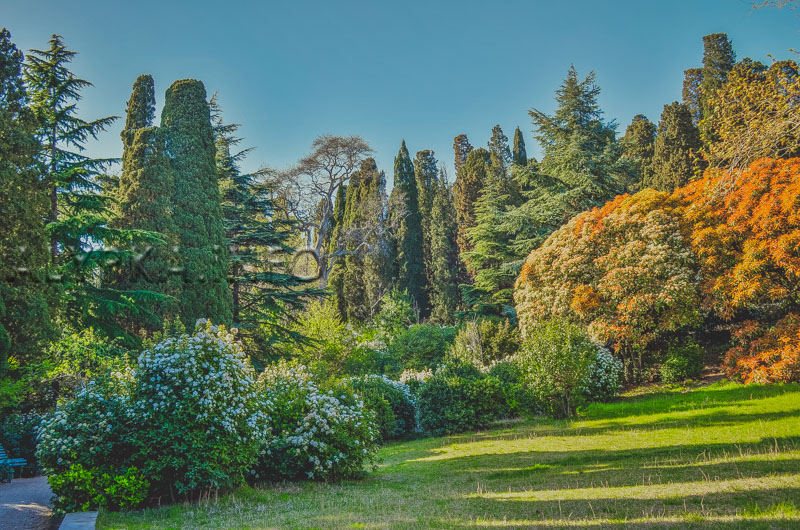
column 414, row 379
column 604, row 378
column 314, row 434
column 201, row 426
column 391, row 401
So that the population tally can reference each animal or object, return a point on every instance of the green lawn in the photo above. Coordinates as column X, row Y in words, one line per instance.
column 725, row 456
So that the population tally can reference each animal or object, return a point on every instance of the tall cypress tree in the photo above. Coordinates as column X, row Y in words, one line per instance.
column 637, row 149
column 25, row 323
column 675, row 148
column 718, row 59
column 197, row 210
column 336, row 277
column 692, row 92
column 426, row 174
column 519, row 156
column 461, row 148
column 498, row 146
column 467, row 189
column 444, row 262
column 408, row 238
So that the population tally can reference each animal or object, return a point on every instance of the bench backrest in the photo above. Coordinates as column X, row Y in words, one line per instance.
column 3, row 453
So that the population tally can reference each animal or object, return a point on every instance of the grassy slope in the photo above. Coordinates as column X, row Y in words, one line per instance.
column 723, row 456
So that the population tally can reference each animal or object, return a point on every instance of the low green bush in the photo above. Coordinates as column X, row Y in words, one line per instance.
column 422, row 345
column 684, row 360
column 378, row 390
column 79, row 489
column 485, row 342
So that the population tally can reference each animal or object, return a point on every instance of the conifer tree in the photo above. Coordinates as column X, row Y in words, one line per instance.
column 579, row 146
column 197, row 210
column 519, row 156
column 264, row 293
column 692, row 92
column 337, row 220
column 498, row 146
column 84, row 245
column 466, row 190
column 25, row 323
column 718, row 59
column 444, row 264
column 637, row 148
column 675, row 148
column 408, row 239
column 426, row 174
column 462, row 148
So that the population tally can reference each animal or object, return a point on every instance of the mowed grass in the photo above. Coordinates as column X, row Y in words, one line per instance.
column 725, row 456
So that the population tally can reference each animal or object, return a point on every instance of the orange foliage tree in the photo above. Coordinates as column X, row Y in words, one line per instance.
column 626, row 271
column 747, row 240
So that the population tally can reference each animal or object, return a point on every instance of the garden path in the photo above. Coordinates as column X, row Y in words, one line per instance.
column 25, row 503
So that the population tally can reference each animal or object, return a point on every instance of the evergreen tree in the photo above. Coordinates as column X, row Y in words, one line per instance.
column 144, row 198
column 364, row 269
column 462, row 149
column 519, row 156
column 467, row 189
column 674, row 150
column 264, row 294
column 83, row 245
column 408, row 238
column 336, row 277
column 426, row 175
column 718, row 59
column 444, row 262
column 25, row 323
column 579, row 146
column 498, row 146
column 637, row 148
column 197, row 211
column 692, row 92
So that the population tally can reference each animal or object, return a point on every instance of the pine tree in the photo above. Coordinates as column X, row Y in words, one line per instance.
column 692, row 92
column 25, row 323
column 579, row 146
column 364, row 280
column 264, row 294
column 462, row 149
column 718, row 59
column 83, row 244
column 197, row 211
column 467, row 189
column 519, row 156
column 408, row 238
column 444, row 264
column 675, row 148
column 426, row 174
column 637, row 148
column 498, row 146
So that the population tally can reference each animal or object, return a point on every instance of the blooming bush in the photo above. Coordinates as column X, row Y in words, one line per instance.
column 195, row 399
column 414, row 379
column 604, row 379
column 375, row 389
column 313, row 434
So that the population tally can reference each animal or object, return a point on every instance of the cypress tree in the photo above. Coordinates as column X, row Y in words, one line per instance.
column 519, row 156
column 25, row 323
column 718, row 59
column 426, row 174
column 466, row 190
column 674, row 150
column 498, row 146
column 637, row 148
column 444, row 264
column 335, row 279
column 141, row 110
column 462, row 148
column 408, row 238
column 197, row 211
column 692, row 92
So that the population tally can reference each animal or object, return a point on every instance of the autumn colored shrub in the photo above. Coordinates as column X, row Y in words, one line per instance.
column 626, row 271
column 764, row 355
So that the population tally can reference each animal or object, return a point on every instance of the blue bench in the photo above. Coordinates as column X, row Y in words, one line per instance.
column 13, row 462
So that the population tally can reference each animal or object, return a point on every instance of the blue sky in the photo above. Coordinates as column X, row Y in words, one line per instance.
column 419, row 71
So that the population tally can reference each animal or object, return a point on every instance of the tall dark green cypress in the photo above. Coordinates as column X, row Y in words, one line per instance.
column 197, row 210
column 498, row 146
column 637, row 149
column 461, row 149
column 444, row 264
column 519, row 156
column 718, row 59
column 408, row 239
column 692, row 92
column 336, row 276
column 467, row 189
column 675, row 149
column 426, row 174
column 25, row 323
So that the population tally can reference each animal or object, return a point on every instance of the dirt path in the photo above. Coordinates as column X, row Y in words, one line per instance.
column 25, row 503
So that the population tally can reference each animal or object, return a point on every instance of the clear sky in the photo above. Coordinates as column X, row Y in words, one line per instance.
column 420, row 70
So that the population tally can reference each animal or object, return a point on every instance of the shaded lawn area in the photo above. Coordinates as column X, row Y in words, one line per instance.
column 725, row 456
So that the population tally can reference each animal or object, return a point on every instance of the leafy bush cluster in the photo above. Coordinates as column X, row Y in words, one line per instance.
column 79, row 489
column 391, row 401
column 315, row 434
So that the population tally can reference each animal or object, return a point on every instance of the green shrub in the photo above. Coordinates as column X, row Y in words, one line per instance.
column 376, row 390
column 604, row 378
column 485, row 342
column 18, row 438
column 396, row 314
column 459, row 398
column 683, row 360
column 422, row 345
column 6, row 473
column 79, row 489
column 200, row 426
column 312, row 434
column 555, row 360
